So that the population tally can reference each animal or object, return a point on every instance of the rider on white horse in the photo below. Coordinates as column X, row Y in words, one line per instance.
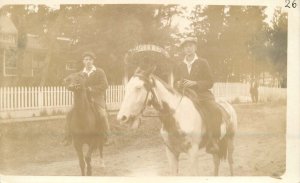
column 193, row 77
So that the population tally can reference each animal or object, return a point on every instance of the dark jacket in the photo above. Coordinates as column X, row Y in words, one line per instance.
column 97, row 83
column 200, row 72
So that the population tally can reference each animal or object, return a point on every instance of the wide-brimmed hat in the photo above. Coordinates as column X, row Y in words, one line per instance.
column 188, row 40
column 89, row 53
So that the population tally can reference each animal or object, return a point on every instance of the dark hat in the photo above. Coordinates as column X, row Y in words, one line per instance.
column 188, row 40
column 89, row 53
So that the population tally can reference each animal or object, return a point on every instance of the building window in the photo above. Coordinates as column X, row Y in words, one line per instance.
column 71, row 66
column 7, row 38
column 10, row 58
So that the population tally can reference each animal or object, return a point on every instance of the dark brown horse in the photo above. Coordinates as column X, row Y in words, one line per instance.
column 83, row 124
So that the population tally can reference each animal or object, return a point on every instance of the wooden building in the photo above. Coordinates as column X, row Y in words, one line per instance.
column 23, row 66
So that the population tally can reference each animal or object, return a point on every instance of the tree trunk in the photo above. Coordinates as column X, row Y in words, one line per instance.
column 52, row 39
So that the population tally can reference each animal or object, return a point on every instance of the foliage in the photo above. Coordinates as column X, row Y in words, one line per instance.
column 238, row 42
column 235, row 40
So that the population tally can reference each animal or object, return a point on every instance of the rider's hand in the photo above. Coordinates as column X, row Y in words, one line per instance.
column 188, row 83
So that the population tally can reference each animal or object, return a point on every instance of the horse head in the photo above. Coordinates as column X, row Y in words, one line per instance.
column 75, row 82
column 136, row 97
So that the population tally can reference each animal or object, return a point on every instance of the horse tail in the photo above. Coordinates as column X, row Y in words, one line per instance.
column 223, row 145
column 231, row 127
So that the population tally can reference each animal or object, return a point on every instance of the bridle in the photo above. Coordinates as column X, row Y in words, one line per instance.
column 149, row 88
column 149, row 85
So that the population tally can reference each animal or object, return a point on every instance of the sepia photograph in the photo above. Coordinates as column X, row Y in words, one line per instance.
column 135, row 90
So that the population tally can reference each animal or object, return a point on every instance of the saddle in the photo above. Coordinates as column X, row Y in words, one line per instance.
column 192, row 95
column 205, row 114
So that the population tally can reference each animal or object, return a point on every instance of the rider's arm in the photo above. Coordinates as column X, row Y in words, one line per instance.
column 205, row 81
column 101, row 84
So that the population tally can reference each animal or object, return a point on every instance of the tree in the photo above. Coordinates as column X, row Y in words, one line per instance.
column 111, row 30
column 232, row 38
column 208, row 25
column 108, row 30
column 278, row 45
column 257, row 30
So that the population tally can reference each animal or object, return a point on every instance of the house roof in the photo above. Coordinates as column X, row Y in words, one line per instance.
column 7, row 26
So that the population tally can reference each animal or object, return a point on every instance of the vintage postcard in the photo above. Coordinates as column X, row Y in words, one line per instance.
column 149, row 91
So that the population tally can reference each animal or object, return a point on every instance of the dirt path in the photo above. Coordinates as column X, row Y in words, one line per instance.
column 259, row 150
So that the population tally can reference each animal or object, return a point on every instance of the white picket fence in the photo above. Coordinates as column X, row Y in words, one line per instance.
column 19, row 102
column 240, row 92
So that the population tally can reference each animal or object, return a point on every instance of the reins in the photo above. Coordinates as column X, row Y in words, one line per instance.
column 150, row 90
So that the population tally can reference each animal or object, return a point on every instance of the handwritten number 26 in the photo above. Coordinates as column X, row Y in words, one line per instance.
column 294, row 4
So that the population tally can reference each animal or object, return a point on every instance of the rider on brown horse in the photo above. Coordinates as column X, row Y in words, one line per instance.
column 194, row 78
column 96, row 84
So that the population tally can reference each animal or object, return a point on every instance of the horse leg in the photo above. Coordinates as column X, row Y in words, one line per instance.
column 78, row 148
column 102, row 164
column 173, row 161
column 88, row 159
column 193, row 158
column 216, row 158
column 230, row 153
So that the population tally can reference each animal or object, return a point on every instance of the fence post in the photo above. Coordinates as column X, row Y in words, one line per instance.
column 40, row 97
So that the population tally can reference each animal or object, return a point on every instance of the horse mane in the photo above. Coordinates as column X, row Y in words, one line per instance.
column 166, row 85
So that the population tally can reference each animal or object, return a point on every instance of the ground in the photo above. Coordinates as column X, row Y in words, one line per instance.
column 33, row 148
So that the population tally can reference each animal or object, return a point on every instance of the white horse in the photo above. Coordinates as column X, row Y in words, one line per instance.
column 182, row 125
